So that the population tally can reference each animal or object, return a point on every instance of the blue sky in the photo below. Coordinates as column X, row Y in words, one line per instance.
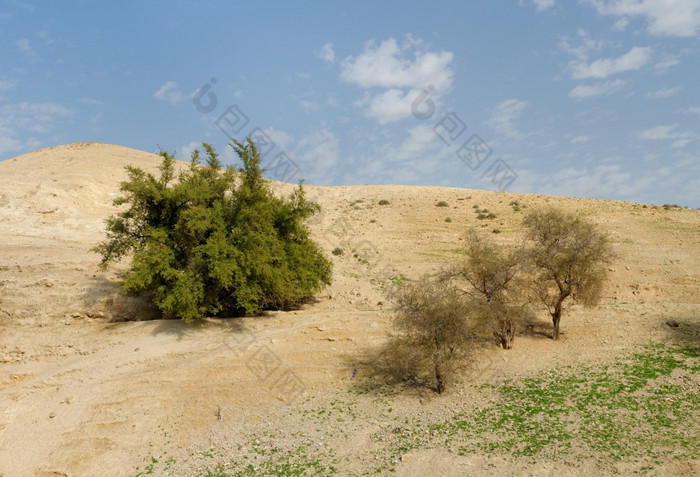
column 595, row 98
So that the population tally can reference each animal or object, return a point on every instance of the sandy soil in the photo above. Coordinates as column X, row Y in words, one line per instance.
column 87, row 385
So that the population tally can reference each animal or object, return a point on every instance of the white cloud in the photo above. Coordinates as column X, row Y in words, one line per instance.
column 613, row 179
column 663, row 93
column 382, row 66
column 679, row 18
column 691, row 110
column 169, row 92
column 588, row 91
column 9, row 145
column 24, row 47
column 318, row 156
column 91, row 102
column 544, row 4
column 604, row 67
column 666, row 62
column 540, row 5
column 621, row 24
column 503, row 116
column 680, row 143
column 8, row 84
column 308, row 106
column 586, row 45
column 391, row 105
column 327, row 54
column 420, row 140
column 667, row 132
column 281, row 138
column 184, row 153
column 18, row 123
column 402, row 76
column 33, row 117
column 581, row 139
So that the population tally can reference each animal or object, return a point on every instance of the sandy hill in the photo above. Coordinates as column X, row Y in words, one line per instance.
column 85, row 385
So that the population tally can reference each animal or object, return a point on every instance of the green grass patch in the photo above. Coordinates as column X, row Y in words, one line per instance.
column 641, row 410
column 273, row 461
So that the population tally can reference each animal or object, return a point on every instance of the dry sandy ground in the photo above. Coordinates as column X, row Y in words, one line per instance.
column 89, row 388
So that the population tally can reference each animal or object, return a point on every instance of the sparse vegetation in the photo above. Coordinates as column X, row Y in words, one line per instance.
column 433, row 334
column 570, row 257
column 627, row 412
column 337, row 251
column 517, row 206
column 442, row 203
column 483, row 214
column 448, row 220
column 383, row 202
column 488, row 278
column 630, row 416
column 213, row 241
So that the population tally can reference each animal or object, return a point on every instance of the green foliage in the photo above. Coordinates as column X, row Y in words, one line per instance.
column 570, row 257
column 442, row 203
column 383, row 202
column 214, row 241
column 337, row 251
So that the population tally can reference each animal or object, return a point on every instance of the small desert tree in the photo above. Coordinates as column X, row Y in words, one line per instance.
column 213, row 240
column 434, row 332
column 488, row 276
column 569, row 256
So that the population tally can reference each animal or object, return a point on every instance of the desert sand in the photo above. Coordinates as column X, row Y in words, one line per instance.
column 91, row 385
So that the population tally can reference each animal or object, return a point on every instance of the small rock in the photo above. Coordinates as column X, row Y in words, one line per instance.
column 672, row 323
column 52, row 415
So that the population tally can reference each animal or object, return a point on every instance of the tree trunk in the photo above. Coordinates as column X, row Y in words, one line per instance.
column 509, row 335
column 555, row 336
column 506, row 334
column 440, row 379
column 556, row 316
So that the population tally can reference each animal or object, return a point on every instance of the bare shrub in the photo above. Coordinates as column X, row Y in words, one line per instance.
column 433, row 333
column 488, row 277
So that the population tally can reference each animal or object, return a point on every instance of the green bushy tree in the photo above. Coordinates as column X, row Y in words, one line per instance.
column 214, row 240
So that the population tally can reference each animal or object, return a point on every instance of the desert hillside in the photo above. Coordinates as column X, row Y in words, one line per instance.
column 89, row 382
